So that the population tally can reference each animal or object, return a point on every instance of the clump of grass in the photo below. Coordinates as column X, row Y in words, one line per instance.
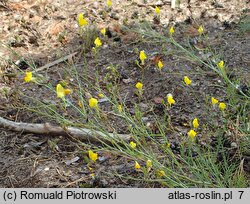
column 192, row 164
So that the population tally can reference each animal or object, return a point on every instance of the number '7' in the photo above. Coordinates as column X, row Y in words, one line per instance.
column 241, row 193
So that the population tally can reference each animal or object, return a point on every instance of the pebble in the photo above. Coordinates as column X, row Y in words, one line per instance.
column 159, row 3
column 234, row 145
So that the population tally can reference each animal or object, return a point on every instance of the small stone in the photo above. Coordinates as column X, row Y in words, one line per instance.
column 127, row 81
column 234, row 145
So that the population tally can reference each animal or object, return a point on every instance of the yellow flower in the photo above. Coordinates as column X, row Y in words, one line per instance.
column 221, row 64
column 187, row 80
column 119, row 107
column 214, row 100
column 139, row 86
column 81, row 20
column 195, row 123
column 28, row 77
column 97, row 42
column 60, row 91
column 93, row 156
column 137, row 165
column 103, row 31
column 168, row 145
column 132, row 145
column 222, row 106
column 109, row 3
column 100, row 95
column 171, row 30
column 142, row 56
column 160, row 64
column 192, row 134
column 200, row 29
column 157, row 10
column 149, row 164
column 161, row 173
column 170, row 99
column 93, row 103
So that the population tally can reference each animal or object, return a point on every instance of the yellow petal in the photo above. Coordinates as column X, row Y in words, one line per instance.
column 81, row 20
column 97, row 42
column 60, row 91
column 192, row 134
column 200, row 29
column 222, row 106
column 67, row 91
column 93, row 103
column 109, row 3
column 103, row 31
column 157, row 10
column 119, row 108
column 93, row 156
column 170, row 99
column 139, row 86
column 195, row 123
column 132, row 145
column 171, row 30
column 100, row 95
column 137, row 165
column 161, row 173
column 187, row 80
column 221, row 64
column 214, row 100
column 142, row 56
column 28, row 77
column 160, row 64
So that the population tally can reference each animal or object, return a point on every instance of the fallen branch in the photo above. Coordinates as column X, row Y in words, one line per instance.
column 46, row 128
column 62, row 59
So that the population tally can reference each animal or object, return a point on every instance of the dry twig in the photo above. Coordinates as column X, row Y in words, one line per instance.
column 46, row 128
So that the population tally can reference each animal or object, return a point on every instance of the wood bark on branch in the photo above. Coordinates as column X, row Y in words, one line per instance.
column 46, row 128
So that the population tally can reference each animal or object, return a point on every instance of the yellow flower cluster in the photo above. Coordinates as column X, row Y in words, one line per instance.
column 222, row 106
